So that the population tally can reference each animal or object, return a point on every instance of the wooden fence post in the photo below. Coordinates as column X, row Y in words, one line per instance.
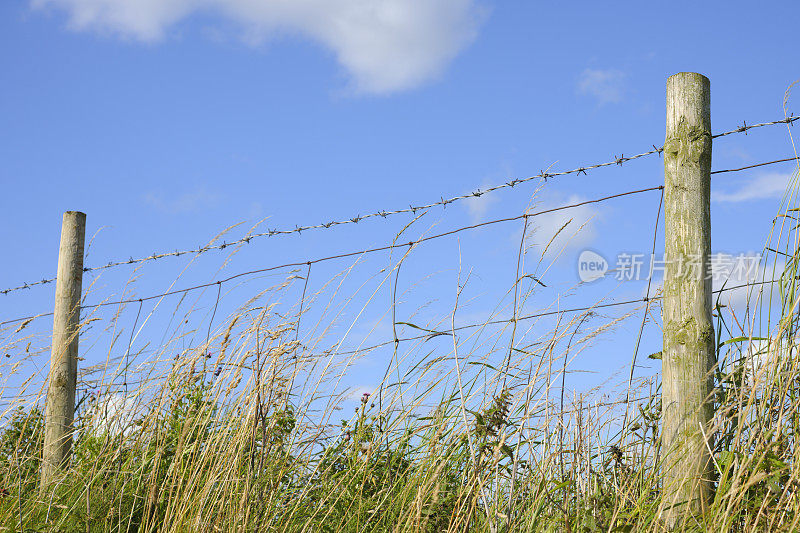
column 688, row 356
column 60, row 404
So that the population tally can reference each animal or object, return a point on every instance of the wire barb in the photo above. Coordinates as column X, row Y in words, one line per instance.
column 411, row 208
column 385, row 248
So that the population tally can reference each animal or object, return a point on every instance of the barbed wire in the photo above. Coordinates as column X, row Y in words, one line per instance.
column 351, row 254
column 443, row 202
column 745, row 127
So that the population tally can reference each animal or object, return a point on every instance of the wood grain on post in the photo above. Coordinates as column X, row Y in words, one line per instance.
column 688, row 355
column 60, row 405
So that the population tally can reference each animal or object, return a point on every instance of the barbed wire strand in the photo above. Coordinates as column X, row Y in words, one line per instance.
column 354, row 253
column 443, row 202
column 745, row 127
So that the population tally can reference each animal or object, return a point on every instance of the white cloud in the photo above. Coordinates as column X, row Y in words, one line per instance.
column 187, row 202
column 607, row 86
column 478, row 206
column 765, row 186
column 748, row 281
column 385, row 45
column 741, row 277
column 734, row 152
column 113, row 413
column 762, row 356
column 256, row 210
column 358, row 392
column 580, row 231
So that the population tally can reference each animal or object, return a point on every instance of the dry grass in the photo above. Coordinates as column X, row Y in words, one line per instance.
column 229, row 420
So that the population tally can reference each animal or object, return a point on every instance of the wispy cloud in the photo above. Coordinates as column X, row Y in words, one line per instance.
column 736, row 152
column 385, row 45
column 606, row 86
column 742, row 276
column 747, row 286
column 113, row 413
column 567, row 229
column 478, row 206
column 765, row 186
column 762, row 355
column 188, row 202
column 357, row 392
column 256, row 210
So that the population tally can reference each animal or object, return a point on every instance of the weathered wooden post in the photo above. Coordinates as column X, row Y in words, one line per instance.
column 60, row 404
column 688, row 355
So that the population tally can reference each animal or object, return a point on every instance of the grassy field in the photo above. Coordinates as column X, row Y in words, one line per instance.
column 233, row 445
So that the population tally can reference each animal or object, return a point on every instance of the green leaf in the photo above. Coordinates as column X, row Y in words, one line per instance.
column 409, row 324
column 740, row 339
column 506, row 449
column 479, row 363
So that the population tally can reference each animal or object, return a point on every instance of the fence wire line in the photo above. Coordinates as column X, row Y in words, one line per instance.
column 432, row 333
column 756, row 165
column 436, row 333
column 409, row 244
column 745, row 126
column 543, row 175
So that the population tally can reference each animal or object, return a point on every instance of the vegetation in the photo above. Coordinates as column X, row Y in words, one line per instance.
column 193, row 467
column 456, row 443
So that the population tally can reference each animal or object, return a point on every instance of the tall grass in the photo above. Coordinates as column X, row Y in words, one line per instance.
column 239, row 432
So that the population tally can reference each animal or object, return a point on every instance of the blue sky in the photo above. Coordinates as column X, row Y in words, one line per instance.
column 167, row 121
